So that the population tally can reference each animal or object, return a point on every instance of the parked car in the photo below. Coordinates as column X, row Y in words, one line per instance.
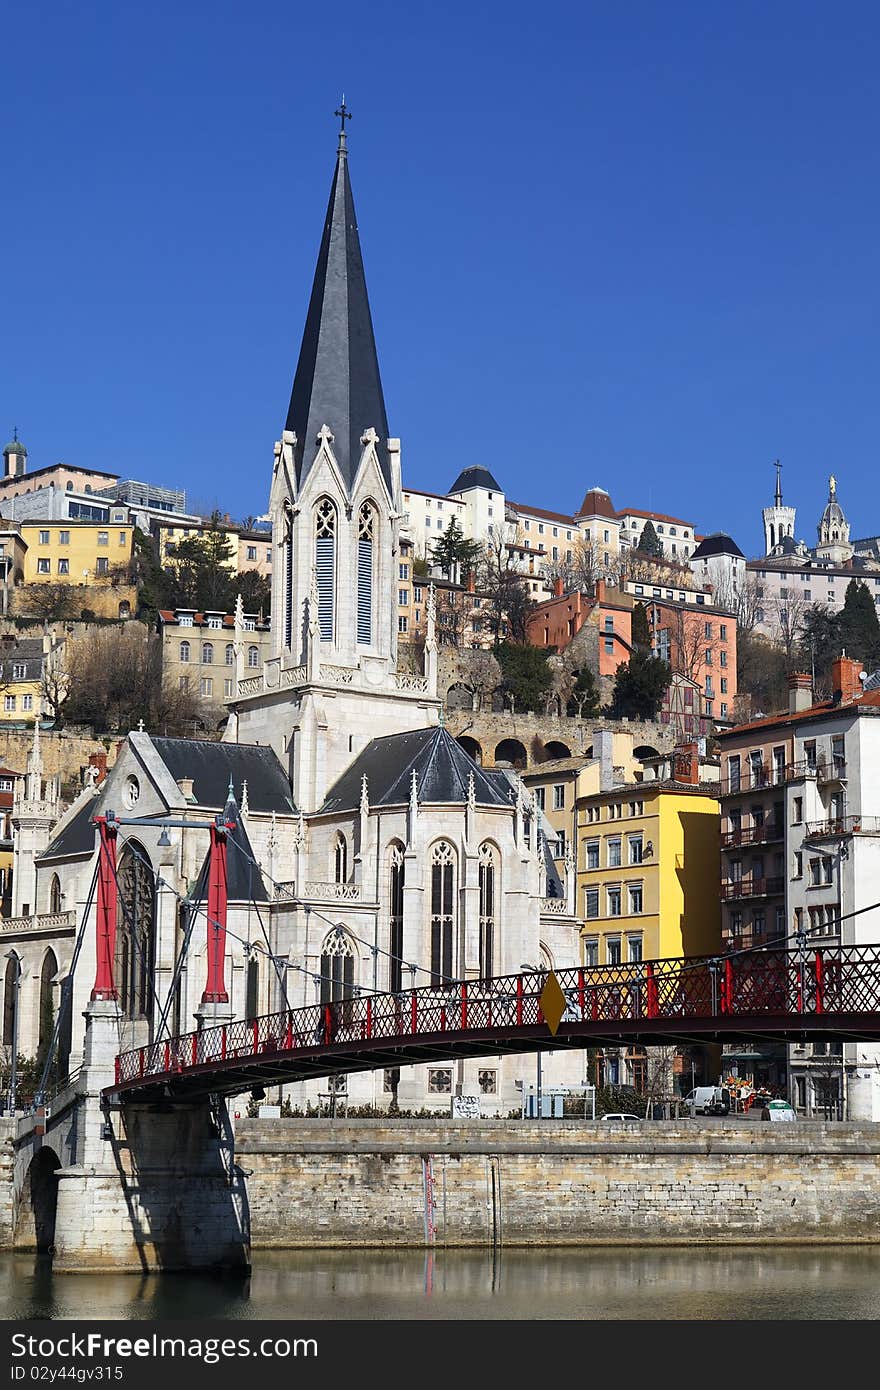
column 622, row 1118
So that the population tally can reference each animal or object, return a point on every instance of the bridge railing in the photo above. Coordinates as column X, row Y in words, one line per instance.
column 768, row 982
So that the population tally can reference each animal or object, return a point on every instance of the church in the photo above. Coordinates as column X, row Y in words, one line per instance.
column 369, row 851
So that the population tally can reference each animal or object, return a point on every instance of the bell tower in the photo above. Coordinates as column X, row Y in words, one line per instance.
column 332, row 682
column 778, row 520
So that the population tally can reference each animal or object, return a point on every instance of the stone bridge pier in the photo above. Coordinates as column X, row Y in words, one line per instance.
column 141, row 1187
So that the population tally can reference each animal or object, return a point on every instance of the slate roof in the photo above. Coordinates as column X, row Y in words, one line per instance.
column 77, row 838
column 337, row 379
column 442, row 769
column 719, row 543
column 209, row 764
column 27, row 652
column 244, row 881
column 475, row 477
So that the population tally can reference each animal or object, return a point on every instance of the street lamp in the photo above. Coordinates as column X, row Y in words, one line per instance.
column 13, row 1068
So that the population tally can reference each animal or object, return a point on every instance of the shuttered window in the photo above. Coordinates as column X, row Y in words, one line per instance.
column 365, row 574
column 325, row 565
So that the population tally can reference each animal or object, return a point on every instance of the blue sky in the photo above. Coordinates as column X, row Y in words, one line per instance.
column 633, row 246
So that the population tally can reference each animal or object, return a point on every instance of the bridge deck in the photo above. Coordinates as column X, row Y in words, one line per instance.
column 772, row 995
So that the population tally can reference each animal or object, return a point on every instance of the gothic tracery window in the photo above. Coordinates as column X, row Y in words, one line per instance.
column 134, row 961
column 395, row 915
column 487, row 910
column 325, row 565
column 337, row 968
column 442, row 912
column 366, row 529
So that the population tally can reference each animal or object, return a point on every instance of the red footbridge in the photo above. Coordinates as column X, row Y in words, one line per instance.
column 772, row 994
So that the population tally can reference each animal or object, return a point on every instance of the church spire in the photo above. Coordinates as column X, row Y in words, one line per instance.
column 337, row 380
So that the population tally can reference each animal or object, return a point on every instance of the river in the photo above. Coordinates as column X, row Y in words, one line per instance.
column 593, row 1284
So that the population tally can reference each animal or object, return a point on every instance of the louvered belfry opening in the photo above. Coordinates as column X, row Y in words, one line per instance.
column 366, row 529
column 325, row 565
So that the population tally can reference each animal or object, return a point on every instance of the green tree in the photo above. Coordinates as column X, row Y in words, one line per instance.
column 639, row 685
column 858, row 626
column 649, row 543
column 584, row 698
column 525, row 674
column 453, row 554
column 641, row 630
column 820, row 644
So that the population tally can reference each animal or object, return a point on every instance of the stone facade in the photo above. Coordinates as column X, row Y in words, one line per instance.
column 317, row 1183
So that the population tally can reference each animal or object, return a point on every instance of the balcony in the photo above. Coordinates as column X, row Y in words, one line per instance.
column 834, row 770
column 737, row 889
column 752, row 835
column 840, row 826
column 757, row 778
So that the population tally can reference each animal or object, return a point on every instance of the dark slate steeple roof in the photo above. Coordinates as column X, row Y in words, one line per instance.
column 337, row 379
column 244, row 881
column 475, row 476
column 441, row 765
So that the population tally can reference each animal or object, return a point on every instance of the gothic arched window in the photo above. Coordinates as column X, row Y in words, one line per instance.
column 253, row 657
column 135, row 933
column 184, row 651
column 366, row 529
column 337, row 968
column 229, row 655
column 395, row 917
column 442, row 911
column 252, row 987
column 207, row 653
column 10, row 985
column 488, row 880
column 340, row 859
column 325, row 565
column 55, row 894
column 47, row 980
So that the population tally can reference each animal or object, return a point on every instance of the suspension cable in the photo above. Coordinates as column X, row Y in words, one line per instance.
column 66, row 990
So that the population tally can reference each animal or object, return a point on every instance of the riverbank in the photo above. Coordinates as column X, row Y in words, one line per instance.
column 367, row 1183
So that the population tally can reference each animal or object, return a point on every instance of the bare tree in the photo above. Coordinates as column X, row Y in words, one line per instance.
column 786, row 621
column 506, row 587
column 116, row 680
column 55, row 683
column 743, row 602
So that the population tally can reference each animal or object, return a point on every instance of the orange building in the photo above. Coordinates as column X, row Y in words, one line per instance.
column 557, row 620
column 700, row 644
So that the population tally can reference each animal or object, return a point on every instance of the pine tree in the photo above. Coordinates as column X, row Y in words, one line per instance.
column 527, row 677
column 641, row 629
column 639, row 685
column 452, row 553
column 649, row 543
column 858, row 628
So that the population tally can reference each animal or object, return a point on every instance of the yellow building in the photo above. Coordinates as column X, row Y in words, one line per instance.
column 76, row 552
column 648, row 867
column 560, row 784
column 21, row 673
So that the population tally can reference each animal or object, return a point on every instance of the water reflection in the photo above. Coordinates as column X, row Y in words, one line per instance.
column 786, row 1282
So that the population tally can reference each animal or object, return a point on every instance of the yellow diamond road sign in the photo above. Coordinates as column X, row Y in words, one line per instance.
column 552, row 1003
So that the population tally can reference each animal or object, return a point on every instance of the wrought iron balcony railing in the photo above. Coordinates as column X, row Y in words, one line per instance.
column 753, row 887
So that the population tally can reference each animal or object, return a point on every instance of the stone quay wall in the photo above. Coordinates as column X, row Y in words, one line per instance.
column 336, row 1183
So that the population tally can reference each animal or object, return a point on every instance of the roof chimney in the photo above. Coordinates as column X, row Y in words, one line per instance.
column 186, row 787
column 800, row 691
column 686, row 764
column 845, row 680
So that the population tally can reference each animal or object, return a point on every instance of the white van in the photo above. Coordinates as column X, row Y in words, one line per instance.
column 708, row 1100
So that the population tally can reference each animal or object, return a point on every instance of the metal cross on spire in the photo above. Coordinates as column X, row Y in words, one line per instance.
column 343, row 113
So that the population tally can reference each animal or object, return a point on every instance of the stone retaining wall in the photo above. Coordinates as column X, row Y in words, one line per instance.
column 326, row 1183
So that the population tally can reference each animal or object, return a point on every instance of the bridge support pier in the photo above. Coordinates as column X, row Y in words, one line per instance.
column 149, row 1187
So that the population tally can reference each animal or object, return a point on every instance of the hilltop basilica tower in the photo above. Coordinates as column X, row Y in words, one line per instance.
column 332, row 682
